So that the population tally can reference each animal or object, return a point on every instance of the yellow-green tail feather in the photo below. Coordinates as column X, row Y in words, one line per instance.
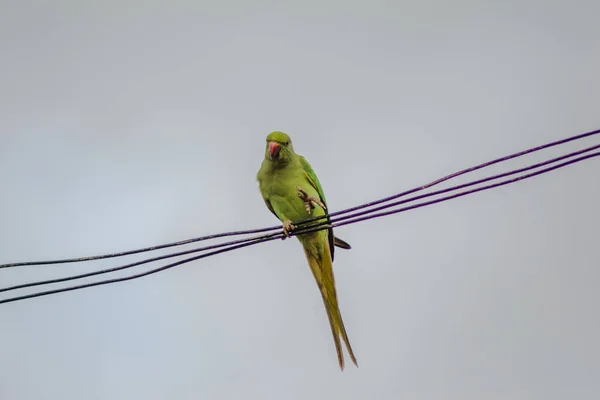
column 323, row 272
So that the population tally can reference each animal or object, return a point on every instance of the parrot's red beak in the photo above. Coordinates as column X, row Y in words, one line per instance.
column 274, row 149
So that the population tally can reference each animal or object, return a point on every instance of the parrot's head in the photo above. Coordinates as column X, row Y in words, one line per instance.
column 279, row 147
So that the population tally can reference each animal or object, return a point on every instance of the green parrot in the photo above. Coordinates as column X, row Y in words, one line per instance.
column 291, row 191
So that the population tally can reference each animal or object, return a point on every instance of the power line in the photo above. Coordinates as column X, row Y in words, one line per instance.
column 307, row 221
column 130, row 277
column 480, row 181
column 463, row 172
column 135, row 264
column 142, row 250
column 335, row 222
column 269, row 237
column 461, row 194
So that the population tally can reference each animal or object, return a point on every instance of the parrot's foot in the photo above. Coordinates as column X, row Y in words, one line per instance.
column 287, row 228
column 309, row 201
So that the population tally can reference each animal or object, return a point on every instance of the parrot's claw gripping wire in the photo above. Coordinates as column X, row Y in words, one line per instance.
column 309, row 201
column 287, row 228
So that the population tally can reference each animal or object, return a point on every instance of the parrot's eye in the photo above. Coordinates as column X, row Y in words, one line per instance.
column 286, row 143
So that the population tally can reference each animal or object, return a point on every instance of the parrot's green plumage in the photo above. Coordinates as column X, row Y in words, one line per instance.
column 291, row 189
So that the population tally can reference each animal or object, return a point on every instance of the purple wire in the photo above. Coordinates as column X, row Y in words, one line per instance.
column 278, row 227
column 345, row 220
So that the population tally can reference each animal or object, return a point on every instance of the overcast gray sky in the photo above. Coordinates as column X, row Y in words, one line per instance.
column 126, row 124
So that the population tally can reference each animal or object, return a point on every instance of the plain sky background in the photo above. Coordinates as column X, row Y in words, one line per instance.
column 133, row 123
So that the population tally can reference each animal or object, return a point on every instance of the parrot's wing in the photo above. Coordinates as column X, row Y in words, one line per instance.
column 312, row 178
column 314, row 181
column 270, row 207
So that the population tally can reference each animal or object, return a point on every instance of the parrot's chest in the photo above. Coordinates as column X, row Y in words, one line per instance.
column 282, row 184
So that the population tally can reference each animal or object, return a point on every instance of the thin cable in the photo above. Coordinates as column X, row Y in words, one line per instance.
column 142, row 250
column 454, row 196
column 464, row 185
column 321, row 225
column 461, row 194
column 137, row 263
column 459, row 173
column 130, row 277
column 308, row 221
column 266, row 238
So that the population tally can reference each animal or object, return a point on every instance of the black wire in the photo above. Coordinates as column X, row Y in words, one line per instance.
column 457, row 174
column 310, row 228
column 308, row 221
column 273, row 236
column 142, row 250
column 135, row 264
column 479, row 189
column 130, row 277
column 370, row 215
column 477, row 182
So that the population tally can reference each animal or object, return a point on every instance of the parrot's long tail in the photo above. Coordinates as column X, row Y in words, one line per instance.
column 322, row 269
